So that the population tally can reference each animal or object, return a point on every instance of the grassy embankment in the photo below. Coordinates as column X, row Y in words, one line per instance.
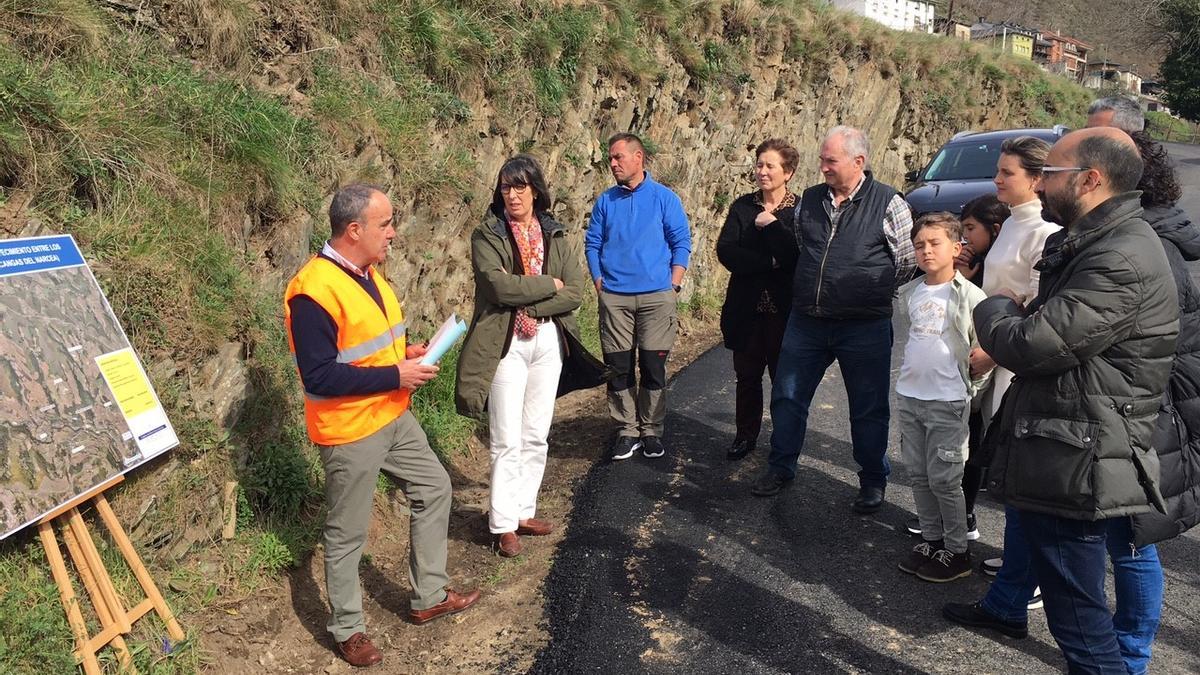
column 1166, row 128
column 153, row 152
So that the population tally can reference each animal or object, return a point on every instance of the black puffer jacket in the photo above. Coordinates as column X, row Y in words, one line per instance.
column 1092, row 355
column 1177, row 435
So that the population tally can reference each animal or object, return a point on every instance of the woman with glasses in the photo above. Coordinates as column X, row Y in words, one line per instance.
column 528, row 282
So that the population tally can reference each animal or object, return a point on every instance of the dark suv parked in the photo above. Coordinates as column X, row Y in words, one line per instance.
column 963, row 169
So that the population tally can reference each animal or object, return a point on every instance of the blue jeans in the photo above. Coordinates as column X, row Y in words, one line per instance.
column 1137, row 574
column 1010, row 593
column 1138, row 578
column 863, row 349
column 1068, row 557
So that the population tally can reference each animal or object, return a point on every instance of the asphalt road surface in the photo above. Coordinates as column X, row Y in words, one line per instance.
column 671, row 566
column 1187, row 167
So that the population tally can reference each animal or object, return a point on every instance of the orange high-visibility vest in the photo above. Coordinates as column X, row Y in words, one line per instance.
column 366, row 336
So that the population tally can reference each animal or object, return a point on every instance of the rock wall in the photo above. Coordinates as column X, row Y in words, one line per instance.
column 704, row 141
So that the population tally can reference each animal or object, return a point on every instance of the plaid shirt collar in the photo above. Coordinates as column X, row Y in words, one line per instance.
column 849, row 197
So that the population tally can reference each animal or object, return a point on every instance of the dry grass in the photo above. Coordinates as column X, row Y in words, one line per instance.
column 222, row 31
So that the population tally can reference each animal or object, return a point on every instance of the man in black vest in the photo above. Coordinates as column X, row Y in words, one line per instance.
column 854, row 252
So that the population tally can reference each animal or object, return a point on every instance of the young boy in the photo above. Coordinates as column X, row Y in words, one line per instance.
column 935, row 389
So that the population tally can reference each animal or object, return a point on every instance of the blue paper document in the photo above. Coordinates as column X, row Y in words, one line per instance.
column 450, row 332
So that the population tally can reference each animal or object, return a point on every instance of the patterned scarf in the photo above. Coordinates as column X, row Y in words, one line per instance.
column 532, row 252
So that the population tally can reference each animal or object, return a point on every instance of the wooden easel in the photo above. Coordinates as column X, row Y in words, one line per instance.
column 115, row 620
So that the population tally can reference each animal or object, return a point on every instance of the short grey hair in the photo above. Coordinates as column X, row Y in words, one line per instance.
column 348, row 205
column 854, row 142
column 1127, row 112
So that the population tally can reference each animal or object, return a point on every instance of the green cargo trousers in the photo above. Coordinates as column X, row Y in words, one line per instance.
column 401, row 450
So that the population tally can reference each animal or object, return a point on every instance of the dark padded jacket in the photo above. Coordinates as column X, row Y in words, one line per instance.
column 1177, row 434
column 1091, row 357
column 846, row 272
column 500, row 288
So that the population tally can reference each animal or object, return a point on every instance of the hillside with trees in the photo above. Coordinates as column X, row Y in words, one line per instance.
column 1123, row 31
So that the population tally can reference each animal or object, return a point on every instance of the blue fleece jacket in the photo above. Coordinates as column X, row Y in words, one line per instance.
column 636, row 236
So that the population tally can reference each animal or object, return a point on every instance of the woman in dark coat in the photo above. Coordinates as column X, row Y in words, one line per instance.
column 758, row 246
column 1137, row 573
column 1177, row 437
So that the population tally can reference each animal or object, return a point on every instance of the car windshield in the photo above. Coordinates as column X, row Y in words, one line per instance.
column 965, row 161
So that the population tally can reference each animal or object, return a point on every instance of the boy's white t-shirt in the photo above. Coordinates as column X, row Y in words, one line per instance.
column 930, row 371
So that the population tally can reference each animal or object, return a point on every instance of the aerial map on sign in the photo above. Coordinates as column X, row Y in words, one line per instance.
column 76, row 407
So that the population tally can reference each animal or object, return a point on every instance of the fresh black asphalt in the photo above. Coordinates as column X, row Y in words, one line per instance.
column 671, row 566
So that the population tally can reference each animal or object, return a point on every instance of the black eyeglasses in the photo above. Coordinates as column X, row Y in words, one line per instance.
column 1062, row 169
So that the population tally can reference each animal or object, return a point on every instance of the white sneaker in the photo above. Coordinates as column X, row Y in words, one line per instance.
column 972, row 528
column 1036, row 601
column 991, row 566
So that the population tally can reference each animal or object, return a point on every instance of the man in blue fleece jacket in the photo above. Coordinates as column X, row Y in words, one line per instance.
column 637, row 244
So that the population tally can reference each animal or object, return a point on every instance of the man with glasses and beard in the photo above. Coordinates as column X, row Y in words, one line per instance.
column 1092, row 354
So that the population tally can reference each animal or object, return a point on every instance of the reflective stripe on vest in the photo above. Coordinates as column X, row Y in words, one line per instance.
column 366, row 336
column 365, row 349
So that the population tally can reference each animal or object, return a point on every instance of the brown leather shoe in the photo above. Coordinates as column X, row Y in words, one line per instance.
column 534, row 527
column 454, row 603
column 359, row 652
column 508, row 544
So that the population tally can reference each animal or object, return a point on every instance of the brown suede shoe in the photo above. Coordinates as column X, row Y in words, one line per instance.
column 507, row 544
column 534, row 527
column 454, row 603
column 359, row 652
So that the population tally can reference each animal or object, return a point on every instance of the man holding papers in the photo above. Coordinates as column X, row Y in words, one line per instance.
column 528, row 281
column 346, row 332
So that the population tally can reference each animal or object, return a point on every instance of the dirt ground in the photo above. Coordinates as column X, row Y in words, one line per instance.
column 282, row 628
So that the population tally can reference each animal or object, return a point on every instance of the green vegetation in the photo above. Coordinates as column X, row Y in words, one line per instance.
column 1181, row 67
column 1166, row 128
column 160, row 141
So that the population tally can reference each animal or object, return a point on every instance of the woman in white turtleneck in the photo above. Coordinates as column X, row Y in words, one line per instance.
column 1009, row 263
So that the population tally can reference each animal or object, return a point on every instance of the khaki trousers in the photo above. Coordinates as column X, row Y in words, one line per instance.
column 401, row 450
column 638, row 329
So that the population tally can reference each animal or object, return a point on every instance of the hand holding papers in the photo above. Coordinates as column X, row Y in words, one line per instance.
column 445, row 337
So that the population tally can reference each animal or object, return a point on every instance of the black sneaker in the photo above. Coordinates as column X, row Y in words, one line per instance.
column 913, row 525
column 945, row 565
column 991, row 566
column 975, row 616
column 919, row 555
column 972, row 528
column 769, row 484
column 624, row 447
column 652, row 446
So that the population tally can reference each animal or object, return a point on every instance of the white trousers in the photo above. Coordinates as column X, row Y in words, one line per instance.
column 520, row 409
